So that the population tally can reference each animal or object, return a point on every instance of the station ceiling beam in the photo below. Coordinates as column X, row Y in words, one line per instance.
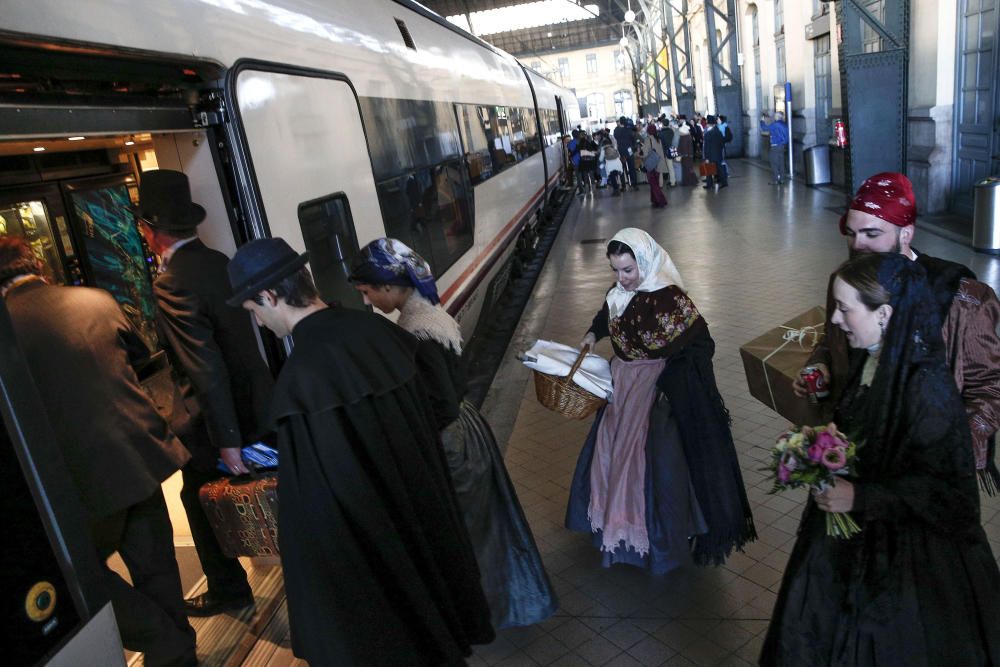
column 602, row 29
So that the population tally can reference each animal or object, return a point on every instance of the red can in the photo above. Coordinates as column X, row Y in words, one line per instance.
column 815, row 384
column 840, row 133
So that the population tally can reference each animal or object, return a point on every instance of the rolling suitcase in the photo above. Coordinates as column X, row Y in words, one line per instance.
column 243, row 512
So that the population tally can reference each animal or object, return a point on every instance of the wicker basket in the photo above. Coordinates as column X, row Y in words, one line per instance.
column 564, row 396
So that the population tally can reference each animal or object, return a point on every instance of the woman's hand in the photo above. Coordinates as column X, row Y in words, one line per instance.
column 590, row 339
column 836, row 498
column 799, row 385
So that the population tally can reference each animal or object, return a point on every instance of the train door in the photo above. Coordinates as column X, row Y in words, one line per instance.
column 562, row 132
column 52, row 597
column 307, row 167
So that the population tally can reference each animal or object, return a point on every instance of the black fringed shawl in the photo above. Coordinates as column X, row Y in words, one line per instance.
column 688, row 382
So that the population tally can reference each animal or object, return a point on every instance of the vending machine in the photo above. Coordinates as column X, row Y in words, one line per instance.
column 83, row 232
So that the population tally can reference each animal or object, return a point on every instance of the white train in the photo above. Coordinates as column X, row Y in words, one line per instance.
column 326, row 123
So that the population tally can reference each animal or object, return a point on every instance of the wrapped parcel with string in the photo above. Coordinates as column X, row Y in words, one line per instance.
column 773, row 361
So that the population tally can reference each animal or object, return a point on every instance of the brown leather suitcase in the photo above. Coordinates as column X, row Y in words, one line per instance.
column 243, row 512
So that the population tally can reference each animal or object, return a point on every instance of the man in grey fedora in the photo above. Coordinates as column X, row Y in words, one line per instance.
column 217, row 363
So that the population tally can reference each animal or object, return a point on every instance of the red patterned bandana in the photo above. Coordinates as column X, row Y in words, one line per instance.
column 888, row 196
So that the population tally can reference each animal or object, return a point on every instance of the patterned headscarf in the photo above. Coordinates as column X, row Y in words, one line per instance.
column 888, row 196
column 656, row 269
column 392, row 262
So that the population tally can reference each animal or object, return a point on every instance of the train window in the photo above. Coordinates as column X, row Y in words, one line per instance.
column 471, row 126
column 328, row 231
column 502, row 137
column 525, row 126
column 550, row 126
column 430, row 210
column 408, row 134
column 420, row 177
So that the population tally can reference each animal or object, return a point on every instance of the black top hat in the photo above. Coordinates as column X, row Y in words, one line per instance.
column 260, row 265
column 165, row 201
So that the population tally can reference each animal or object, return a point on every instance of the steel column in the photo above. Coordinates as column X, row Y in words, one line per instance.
column 726, row 86
column 874, row 87
column 652, row 21
column 680, row 54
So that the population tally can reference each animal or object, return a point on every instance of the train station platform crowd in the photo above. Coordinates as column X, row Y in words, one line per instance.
column 647, row 534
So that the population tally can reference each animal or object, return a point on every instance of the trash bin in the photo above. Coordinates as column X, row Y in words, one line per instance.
column 817, row 159
column 986, row 218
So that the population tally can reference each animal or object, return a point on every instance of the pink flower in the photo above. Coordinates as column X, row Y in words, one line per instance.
column 824, row 441
column 827, row 440
column 784, row 474
column 835, row 458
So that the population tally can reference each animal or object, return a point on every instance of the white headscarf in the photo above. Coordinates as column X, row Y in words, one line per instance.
column 656, row 269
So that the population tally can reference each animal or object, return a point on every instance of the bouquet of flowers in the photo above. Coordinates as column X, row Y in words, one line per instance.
column 815, row 457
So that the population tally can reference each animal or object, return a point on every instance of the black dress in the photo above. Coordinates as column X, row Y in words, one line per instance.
column 378, row 566
column 919, row 585
column 513, row 575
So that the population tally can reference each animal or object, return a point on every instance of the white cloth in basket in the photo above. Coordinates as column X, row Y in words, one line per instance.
column 594, row 374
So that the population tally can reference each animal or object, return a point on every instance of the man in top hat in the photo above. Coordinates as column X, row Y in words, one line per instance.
column 624, row 137
column 218, row 366
column 882, row 218
column 81, row 350
column 714, row 153
column 379, row 569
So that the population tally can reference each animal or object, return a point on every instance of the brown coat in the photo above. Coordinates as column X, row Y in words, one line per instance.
column 972, row 349
column 80, row 348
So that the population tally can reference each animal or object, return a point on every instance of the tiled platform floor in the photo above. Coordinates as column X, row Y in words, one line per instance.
column 752, row 257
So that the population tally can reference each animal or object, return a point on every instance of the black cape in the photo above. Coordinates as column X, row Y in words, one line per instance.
column 378, row 566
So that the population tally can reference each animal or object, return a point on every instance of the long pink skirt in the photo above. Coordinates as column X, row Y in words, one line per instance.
column 618, row 472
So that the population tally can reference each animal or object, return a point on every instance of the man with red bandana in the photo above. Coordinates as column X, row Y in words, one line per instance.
column 882, row 218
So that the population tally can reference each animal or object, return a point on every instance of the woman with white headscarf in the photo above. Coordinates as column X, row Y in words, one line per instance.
column 658, row 482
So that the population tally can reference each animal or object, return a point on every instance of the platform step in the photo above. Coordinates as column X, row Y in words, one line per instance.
column 226, row 640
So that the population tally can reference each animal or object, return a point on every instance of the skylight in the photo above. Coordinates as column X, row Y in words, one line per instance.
column 528, row 15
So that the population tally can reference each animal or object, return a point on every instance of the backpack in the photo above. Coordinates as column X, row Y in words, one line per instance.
column 651, row 161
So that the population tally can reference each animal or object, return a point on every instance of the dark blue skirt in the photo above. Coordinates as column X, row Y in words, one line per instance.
column 673, row 515
column 513, row 575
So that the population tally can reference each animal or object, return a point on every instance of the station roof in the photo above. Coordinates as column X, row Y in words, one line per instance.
column 525, row 42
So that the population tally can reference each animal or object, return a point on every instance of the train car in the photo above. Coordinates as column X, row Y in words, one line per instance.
column 328, row 124
column 319, row 123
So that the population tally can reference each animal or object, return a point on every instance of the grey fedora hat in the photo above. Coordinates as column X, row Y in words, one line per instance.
column 260, row 265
